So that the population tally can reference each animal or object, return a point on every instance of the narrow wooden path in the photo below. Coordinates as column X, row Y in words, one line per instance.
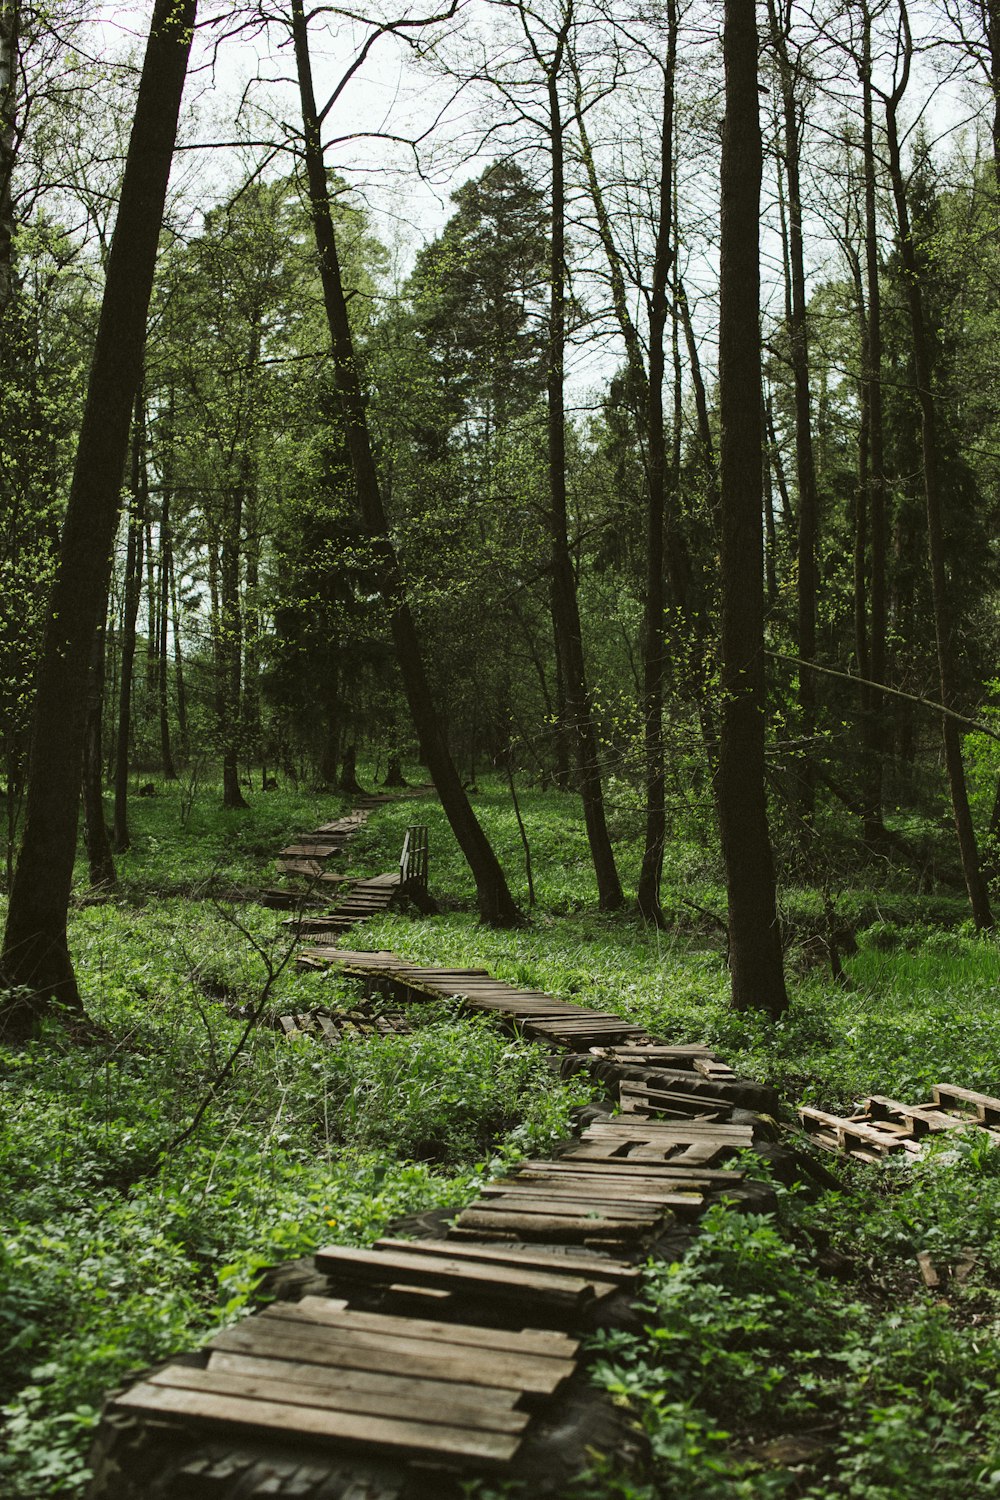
column 411, row 1366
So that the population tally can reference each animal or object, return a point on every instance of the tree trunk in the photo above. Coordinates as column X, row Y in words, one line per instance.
column 566, row 613
column 231, row 647
column 9, row 15
column 875, row 490
column 805, row 466
column 754, row 940
column 654, row 620
column 130, row 614
column 943, row 631
column 178, row 655
column 496, row 905
column 36, row 951
column 95, row 831
column 163, row 620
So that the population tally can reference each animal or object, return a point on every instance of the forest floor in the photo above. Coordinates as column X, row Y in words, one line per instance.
column 799, row 1355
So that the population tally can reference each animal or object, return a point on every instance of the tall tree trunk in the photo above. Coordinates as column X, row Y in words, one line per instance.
column 805, row 466
column 657, row 521
column 943, row 630
column 230, row 647
column 130, row 613
column 251, row 626
column 566, row 616
column 496, row 905
column 36, row 952
column 754, row 940
column 9, row 16
column 95, row 830
column 175, row 618
column 163, row 621
column 875, row 490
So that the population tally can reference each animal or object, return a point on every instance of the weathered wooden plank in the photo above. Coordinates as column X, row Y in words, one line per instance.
column 525, row 1342
column 586, row 1266
column 397, row 1398
column 566, row 1206
column 380, row 1267
column 315, row 1343
column 371, row 1383
column 986, row 1107
column 540, row 1226
column 583, row 1189
column 344, row 1428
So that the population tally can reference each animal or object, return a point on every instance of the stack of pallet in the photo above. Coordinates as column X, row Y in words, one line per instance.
column 881, row 1125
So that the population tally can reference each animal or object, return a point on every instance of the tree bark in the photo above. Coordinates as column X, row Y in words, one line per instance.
column 163, row 621
column 36, row 952
column 754, row 939
column 874, row 490
column 566, row 609
column 496, row 905
column 130, row 614
column 805, row 466
column 9, row 18
column 943, row 629
column 95, row 830
column 230, row 646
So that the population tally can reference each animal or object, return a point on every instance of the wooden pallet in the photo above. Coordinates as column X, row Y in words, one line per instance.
column 882, row 1126
column 442, row 1392
column 331, row 1027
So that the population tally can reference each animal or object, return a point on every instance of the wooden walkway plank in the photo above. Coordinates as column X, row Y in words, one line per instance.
column 198, row 1402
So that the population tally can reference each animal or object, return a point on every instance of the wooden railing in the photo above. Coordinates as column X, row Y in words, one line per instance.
column 413, row 860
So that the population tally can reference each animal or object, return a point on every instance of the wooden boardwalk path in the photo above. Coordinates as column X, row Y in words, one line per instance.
column 411, row 1366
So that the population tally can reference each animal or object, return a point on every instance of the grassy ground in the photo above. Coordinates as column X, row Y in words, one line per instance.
column 761, row 1373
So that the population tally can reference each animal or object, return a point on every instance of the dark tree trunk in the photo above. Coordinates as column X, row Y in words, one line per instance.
column 95, row 829
column 805, row 466
column 348, row 782
column 36, row 952
column 496, row 905
column 560, row 723
column 163, row 619
column 9, row 16
column 566, row 611
column 231, row 647
column 178, row 654
column 943, row 629
column 654, row 621
column 754, row 939
column 394, row 774
column 130, row 614
column 874, row 491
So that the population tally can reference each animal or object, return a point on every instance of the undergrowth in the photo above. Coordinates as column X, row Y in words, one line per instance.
column 759, row 1374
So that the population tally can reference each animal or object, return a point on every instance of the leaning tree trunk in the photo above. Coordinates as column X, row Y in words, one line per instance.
column 975, row 881
column 496, row 905
column 754, row 940
column 36, row 956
